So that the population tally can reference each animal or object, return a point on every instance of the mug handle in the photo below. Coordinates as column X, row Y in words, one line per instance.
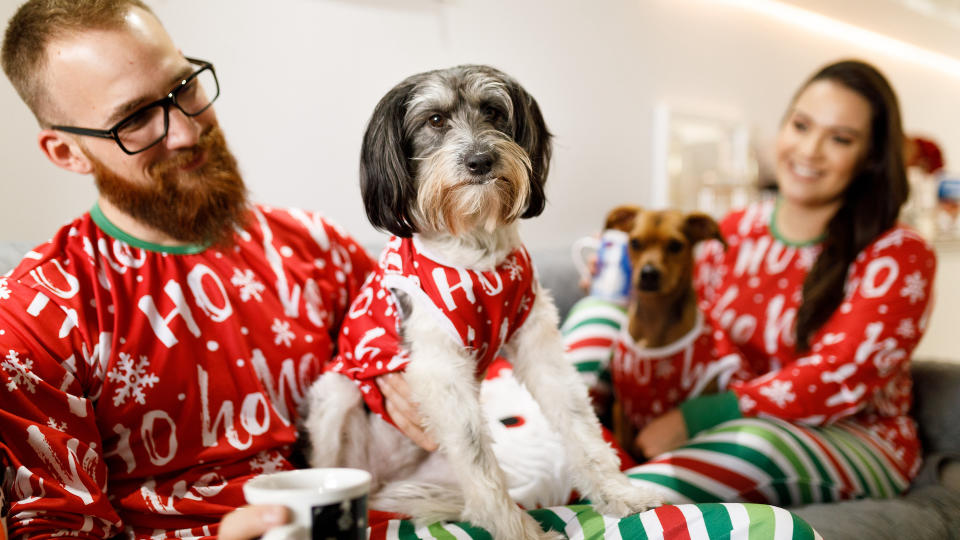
column 580, row 251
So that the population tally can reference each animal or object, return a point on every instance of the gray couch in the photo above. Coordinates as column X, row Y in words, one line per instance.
column 931, row 508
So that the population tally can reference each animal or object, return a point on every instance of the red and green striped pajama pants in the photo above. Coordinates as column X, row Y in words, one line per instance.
column 687, row 521
column 775, row 462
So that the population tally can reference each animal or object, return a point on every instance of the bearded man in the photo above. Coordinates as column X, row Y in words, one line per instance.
column 154, row 352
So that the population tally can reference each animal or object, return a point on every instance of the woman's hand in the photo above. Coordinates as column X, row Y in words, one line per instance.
column 403, row 410
column 249, row 522
column 585, row 282
column 665, row 433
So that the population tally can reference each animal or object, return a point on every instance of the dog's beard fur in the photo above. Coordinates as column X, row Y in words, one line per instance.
column 452, row 201
column 202, row 206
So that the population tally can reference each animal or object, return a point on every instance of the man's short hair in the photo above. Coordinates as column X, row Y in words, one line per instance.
column 39, row 22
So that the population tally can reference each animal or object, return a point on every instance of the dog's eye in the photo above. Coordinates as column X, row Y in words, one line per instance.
column 492, row 113
column 437, row 120
column 636, row 244
column 675, row 246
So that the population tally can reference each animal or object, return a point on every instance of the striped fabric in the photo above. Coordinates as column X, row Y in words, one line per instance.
column 775, row 462
column 589, row 333
column 581, row 522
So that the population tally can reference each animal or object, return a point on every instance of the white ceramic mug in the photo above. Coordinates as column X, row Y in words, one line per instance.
column 610, row 279
column 324, row 503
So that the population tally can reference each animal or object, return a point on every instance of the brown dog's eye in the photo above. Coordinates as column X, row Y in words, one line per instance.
column 436, row 120
column 675, row 246
column 636, row 244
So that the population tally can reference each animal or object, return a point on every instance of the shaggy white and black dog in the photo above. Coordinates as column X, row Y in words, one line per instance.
column 451, row 160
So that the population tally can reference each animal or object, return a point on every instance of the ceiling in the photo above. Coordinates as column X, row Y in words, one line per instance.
column 931, row 24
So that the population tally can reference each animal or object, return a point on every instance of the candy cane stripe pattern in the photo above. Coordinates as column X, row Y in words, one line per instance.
column 581, row 522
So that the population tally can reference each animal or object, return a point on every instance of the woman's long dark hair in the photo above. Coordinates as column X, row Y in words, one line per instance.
column 871, row 203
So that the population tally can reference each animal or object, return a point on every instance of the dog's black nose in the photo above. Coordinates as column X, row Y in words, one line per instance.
column 649, row 278
column 479, row 163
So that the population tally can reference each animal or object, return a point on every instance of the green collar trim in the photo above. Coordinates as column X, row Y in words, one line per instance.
column 792, row 243
column 110, row 229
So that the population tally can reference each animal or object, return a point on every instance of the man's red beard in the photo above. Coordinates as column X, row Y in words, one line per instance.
column 201, row 206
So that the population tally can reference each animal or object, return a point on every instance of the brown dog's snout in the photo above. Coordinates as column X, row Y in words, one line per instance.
column 649, row 278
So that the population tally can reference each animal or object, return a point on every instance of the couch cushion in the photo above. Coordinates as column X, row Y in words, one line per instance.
column 929, row 513
column 556, row 272
column 11, row 253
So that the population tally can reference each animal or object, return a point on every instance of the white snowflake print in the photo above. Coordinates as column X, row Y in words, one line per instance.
column 525, row 303
column 906, row 329
column 282, row 332
column 59, row 426
column 21, row 372
column 132, row 379
column 779, row 392
column 248, row 284
column 4, row 290
column 747, row 403
column 266, row 462
column 513, row 266
column 914, row 287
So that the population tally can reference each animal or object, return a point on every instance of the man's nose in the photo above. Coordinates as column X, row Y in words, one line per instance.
column 183, row 131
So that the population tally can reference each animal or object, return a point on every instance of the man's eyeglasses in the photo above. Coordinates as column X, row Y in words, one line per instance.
column 148, row 125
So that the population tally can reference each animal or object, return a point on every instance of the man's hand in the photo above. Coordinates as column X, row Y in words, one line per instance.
column 665, row 433
column 249, row 522
column 402, row 409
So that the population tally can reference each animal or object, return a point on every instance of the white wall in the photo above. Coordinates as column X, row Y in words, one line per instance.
column 300, row 78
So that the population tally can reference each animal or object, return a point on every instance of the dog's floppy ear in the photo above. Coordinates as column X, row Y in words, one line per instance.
column 699, row 226
column 530, row 132
column 386, row 183
column 621, row 218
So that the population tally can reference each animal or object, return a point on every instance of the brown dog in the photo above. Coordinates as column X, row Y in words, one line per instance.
column 663, row 303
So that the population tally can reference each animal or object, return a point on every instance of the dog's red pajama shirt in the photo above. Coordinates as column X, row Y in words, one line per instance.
column 650, row 381
column 141, row 386
column 480, row 310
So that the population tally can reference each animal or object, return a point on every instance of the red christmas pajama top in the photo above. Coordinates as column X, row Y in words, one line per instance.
column 140, row 389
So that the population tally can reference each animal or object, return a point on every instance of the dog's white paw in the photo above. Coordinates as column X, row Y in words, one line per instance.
column 621, row 498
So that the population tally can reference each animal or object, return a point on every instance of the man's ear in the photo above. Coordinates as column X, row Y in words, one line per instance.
column 64, row 151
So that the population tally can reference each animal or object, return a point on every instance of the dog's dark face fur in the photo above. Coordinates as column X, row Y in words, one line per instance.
column 454, row 150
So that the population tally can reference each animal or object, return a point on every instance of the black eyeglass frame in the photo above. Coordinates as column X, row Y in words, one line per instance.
column 165, row 102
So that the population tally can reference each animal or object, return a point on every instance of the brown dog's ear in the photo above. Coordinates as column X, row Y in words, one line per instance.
column 699, row 226
column 621, row 218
